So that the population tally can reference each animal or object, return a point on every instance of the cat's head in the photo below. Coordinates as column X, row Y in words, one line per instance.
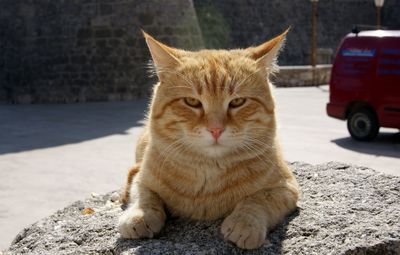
column 214, row 102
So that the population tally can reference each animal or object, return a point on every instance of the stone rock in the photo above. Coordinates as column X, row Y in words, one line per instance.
column 344, row 210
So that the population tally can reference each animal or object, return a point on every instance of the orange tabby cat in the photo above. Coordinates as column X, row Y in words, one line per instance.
column 209, row 149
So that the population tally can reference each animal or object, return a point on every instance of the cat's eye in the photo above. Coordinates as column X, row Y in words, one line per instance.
column 192, row 102
column 237, row 102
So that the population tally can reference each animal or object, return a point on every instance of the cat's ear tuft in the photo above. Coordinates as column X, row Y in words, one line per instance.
column 267, row 53
column 164, row 57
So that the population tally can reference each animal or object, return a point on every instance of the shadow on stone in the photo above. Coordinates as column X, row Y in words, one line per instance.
column 191, row 237
column 195, row 236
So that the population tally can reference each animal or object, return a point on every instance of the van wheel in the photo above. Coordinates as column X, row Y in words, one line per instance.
column 363, row 124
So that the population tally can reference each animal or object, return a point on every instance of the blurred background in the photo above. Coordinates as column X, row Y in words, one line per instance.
column 90, row 50
column 74, row 87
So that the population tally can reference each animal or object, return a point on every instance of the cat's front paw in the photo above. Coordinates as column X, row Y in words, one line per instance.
column 136, row 223
column 246, row 231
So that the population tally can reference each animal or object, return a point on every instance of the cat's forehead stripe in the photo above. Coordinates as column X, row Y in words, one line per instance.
column 232, row 87
column 199, row 89
column 214, row 83
column 215, row 78
column 207, row 83
column 218, row 74
column 222, row 84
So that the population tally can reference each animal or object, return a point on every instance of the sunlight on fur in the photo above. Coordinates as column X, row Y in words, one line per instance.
column 209, row 149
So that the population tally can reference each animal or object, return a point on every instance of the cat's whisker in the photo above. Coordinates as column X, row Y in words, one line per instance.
column 169, row 151
column 171, row 146
column 260, row 135
column 271, row 162
column 171, row 71
column 255, row 152
column 266, row 161
column 185, row 87
column 151, row 69
column 259, row 141
column 237, row 87
column 259, row 150
column 232, row 81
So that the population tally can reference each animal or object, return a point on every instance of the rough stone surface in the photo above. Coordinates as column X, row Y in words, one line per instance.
column 344, row 210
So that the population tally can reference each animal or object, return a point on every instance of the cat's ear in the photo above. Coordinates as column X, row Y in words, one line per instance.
column 164, row 57
column 267, row 53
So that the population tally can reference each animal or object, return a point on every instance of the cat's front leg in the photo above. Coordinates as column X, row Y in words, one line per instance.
column 145, row 215
column 249, row 222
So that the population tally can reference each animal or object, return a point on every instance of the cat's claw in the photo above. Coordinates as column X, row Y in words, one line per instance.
column 136, row 223
column 243, row 230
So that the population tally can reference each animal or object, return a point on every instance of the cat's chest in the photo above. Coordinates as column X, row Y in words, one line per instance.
column 193, row 181
column 203, row 193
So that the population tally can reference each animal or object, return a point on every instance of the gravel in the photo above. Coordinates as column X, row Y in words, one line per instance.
column 344, row 209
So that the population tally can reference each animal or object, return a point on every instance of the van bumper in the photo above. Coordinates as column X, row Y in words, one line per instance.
column 336, row 111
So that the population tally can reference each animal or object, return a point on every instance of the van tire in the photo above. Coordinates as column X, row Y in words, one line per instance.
column 362, row 124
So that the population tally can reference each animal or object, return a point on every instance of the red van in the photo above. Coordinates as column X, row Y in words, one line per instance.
column 365, row 83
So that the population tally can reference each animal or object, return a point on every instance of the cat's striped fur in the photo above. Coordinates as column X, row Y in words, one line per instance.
column 209, row 149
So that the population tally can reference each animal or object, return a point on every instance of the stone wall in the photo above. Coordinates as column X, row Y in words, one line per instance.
column 89, row 50
column 85, row 50
column 302, row 76
column 230, row 23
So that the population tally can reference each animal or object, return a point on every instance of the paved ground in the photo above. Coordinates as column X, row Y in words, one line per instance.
column 308, row 134
column 51, row 155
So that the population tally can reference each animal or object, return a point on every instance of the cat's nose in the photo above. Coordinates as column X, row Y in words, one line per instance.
column 216, row 131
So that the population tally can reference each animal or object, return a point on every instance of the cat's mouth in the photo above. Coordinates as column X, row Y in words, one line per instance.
column 217, row 149
column 216, row 143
